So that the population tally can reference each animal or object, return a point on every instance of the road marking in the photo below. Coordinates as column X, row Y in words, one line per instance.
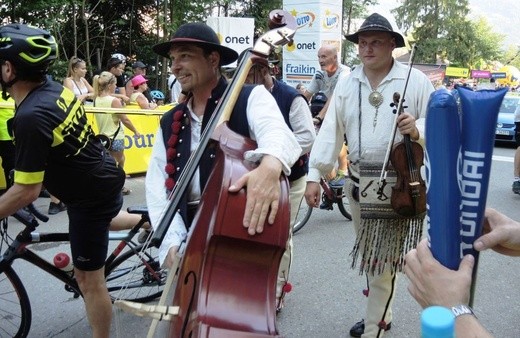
column 503, row 158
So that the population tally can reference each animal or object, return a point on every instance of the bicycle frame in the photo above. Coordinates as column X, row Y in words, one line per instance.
column 333, row 194
column 18, row 250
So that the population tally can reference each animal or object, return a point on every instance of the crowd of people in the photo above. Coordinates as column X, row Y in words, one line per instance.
column 275, row 115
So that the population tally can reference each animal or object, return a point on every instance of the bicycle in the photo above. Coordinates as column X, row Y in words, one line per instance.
column 332, row 194
column 133, row 274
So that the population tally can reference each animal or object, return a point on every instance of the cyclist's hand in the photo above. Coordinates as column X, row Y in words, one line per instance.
column 312, row 194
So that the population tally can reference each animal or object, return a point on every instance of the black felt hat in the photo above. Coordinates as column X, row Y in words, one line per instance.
column 200, row 34
column 377, row 23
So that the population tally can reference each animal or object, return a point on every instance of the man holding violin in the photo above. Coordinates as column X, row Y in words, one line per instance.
column 360, row 109
column 197, row 55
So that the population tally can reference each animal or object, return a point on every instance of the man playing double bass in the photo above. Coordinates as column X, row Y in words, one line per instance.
column 360, row 109
column 196, row 56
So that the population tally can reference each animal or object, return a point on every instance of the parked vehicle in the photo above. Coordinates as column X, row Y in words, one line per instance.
column 505, row 131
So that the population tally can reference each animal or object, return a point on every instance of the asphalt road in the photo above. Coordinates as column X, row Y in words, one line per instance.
column 327, row 295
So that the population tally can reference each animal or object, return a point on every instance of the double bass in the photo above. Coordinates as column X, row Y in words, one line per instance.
column 227, row 279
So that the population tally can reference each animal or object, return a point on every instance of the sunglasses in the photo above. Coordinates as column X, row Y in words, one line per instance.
column 77, row 61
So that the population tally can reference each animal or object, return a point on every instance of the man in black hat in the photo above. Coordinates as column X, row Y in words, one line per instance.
column 197, row 55
column 360, row 109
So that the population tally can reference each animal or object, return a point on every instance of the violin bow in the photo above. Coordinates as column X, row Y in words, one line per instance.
column 384, row 171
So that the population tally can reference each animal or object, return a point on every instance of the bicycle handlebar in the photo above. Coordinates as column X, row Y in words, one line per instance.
column 37, row 213
column 29, row 217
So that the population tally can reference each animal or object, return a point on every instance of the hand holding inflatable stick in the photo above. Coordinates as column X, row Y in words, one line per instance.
column 457, row 189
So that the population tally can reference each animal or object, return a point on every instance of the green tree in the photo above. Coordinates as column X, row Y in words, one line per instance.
column 441, row 29
column 352, row 10
column 488, row 44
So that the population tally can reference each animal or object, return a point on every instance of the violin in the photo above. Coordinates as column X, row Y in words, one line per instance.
column 227, row 279
column 409, row 192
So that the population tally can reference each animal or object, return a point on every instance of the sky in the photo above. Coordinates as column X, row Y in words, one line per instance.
column 498, row 14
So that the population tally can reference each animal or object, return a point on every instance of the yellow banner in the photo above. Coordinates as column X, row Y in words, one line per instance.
column 457, row 72
column 137, row 150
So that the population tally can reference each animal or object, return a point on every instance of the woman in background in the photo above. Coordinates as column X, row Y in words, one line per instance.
column 76, row 81
column 110, row 124
column 140, row 85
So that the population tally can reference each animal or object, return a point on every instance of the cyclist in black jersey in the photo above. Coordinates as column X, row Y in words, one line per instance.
column 55, row 146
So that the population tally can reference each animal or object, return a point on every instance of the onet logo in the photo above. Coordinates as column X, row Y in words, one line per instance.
column 241, row 40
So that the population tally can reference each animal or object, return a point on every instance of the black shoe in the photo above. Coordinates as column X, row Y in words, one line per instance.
column 359, row 328
column 143, row 235
column 55, row 208
column 326, row 205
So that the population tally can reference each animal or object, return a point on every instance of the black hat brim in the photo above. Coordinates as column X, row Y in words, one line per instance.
column 399, row 40
column 227, row 55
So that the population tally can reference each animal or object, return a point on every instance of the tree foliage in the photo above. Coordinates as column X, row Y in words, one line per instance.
column 352, row 10
column 442, row 31
column 95, row 29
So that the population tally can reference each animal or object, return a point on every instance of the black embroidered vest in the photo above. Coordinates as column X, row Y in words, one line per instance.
column 176, row 132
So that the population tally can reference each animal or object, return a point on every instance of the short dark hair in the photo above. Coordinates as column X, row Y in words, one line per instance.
column 113, row 62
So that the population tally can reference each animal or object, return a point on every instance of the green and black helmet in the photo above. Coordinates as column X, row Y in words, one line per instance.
column 29, row 48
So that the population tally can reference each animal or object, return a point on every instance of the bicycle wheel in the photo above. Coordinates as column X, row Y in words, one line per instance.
column 136, row 277
column 15, row 308
column 344, row 207
column 304, row 213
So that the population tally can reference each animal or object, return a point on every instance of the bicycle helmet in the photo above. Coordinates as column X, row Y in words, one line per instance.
column 29, row 48
column 157, row 95
column 119, row 56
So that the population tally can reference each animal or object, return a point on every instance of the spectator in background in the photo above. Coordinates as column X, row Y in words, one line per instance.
column 76, row 81
column 176, row 95
column 325, row 81
column 158, row 96
column 110, row 124
column 116, row 66
column 138, row 68
column 300, row 87
column 139, row 86
column 6, row 142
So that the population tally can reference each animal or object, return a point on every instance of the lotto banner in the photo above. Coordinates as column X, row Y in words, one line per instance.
column 319, row 23
column 235, row 33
